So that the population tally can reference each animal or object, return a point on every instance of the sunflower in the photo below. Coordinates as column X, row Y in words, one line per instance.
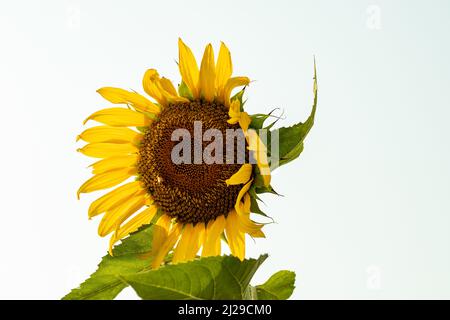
column 195, row 206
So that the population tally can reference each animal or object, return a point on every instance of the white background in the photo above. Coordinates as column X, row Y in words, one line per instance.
column 365, row 212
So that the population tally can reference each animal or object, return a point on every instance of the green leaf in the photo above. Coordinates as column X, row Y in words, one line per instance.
column 258, row 120
column 184, row 91
column 128, row 257
column 279, row 286
column 291, row 138
column 223, row 277
column 254, row 206
column 239, row 96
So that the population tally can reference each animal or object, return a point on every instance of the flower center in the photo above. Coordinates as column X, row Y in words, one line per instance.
column 191, row 191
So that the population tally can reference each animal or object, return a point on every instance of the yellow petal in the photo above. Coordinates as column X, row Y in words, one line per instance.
column 211, row 245
column 106, row 180
column 207, row 76
column 235, row 109
column 188, row 68
column 182, row 247
column 144, row 217
column 160, row 89
column 224, row 69
column 150, row 87
column 113, row 198
column 246, row 224
column 114, row 163
column 117, row 95
column 234, row 112
column 236, row 238
column 160, row 232
column 241, row 176
column 197, row 239
column 244, row 121
column 120, row 117
column 167, row 85
column 113, row 218
column 256, row 145
column 104, row 150
column 168, row 244
column 230, row 85
column 110, row 134
column 241, row 194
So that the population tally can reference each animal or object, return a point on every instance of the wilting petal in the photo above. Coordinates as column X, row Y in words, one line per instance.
column 117, row 95
column 230, row 85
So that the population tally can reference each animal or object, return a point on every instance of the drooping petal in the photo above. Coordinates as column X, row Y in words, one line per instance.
column 259, row 149
column 230, row 85
column 235, row 109
column 236, row 238
column 114, row 163
column 188, row 68
column 106, row 180
column 207, row 76
column 167, row 85
column 246, row 224
column 168, row 244
column 105, row 150
column 120, row 117
column 224, row 69
column 148, row 82
column 113, row 218
column 197, row 239
column 137, row 101
column 185, row 240
column 241, row 176
column 160, row 233
column 241, row 194
column 114, row 198
column 110, row 134
column 211, row 244
column 160, row 89
column 244, row 121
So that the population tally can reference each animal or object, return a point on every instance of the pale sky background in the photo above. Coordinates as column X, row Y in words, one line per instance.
column 365, row 212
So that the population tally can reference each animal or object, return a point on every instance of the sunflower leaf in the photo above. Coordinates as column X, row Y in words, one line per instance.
column 128, row 257
column 279, row 286
column 222, row 277
column 291, row 138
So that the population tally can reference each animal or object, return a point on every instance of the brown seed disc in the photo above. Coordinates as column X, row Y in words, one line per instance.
column 189, row 192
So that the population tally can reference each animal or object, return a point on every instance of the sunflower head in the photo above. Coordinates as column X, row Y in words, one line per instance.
column 194, row 187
